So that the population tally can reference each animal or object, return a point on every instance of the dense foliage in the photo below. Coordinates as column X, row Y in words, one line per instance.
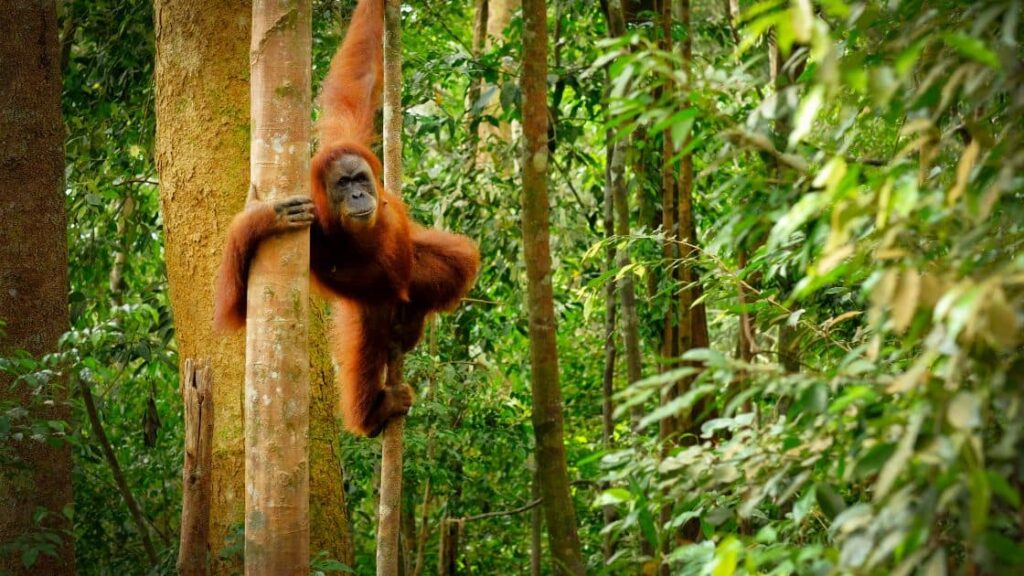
column 862, row 207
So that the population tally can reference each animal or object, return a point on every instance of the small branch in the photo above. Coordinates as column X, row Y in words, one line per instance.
column 524, row 508
column 115, row 469
column 130, row 181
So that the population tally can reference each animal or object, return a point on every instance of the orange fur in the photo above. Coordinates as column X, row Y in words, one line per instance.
column 386, row 274
column 247, row 229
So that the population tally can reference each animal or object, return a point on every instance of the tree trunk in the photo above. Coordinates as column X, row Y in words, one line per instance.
column 610, row 349
column 499, row 15
column 627, row 292
column 203, row 159
column 328, row 514
column 197, row 395
column 536, row 526
column 277, row 352
column 693, row 326
column 559, row 510
column 676, row 314
column 202, row 153
column 390, row 514
column 33, row 268
column 473, row 94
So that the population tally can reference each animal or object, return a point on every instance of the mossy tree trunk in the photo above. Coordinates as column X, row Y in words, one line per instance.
column 202, row 83
column 552, row 472
column 33, row 268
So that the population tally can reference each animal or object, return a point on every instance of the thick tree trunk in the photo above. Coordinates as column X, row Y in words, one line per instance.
column 328, row 514
column 33, row 267
column 203, row 159
column 559, row 510
column 202, row 155
column 276, row 401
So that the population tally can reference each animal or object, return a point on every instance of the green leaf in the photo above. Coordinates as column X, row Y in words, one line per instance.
column 727, row 557
column 972, row 48
column 29, row 556
column 873, row 460
column 613, row 496
column 1001, row 487
column 898, row 461
column 831, row 503
column 806, row 114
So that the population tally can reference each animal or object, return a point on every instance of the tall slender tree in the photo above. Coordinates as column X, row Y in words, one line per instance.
column 276, row 400
column 33, row 269
column 552, row 471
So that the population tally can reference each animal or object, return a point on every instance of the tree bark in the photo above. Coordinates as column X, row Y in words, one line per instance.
column 277, row 337
column 536, row 526
column 202, row 153
column 473, row 94
column 203, row 159
column 328, row 513
column 197, row 396
column 620, row 196
column 610, row 349
column 627, row 291
column 390, row 511
column 34, row 269
column 559, row 510
column 499, row 15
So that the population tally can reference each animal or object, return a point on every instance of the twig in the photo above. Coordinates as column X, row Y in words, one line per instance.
column 524, row 508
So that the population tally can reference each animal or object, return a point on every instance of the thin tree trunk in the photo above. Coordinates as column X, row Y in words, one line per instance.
column 693, row 332
column 115, row 470
column 671, row 227
column 390, row 513
column 559, row 510
column 424, row 530
column 677, row 315
column 789, row 346
column 627, row 292
column 197, row 396
column 473, row 95
column 33, row 271
column 277, row 336
column 610, row 349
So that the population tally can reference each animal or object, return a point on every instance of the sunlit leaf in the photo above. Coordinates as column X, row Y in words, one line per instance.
column 964, row 411
column 806, row 114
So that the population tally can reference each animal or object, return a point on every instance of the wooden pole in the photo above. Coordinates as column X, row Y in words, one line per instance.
column 276, row 399
column 197, row 396
column 390, row 507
